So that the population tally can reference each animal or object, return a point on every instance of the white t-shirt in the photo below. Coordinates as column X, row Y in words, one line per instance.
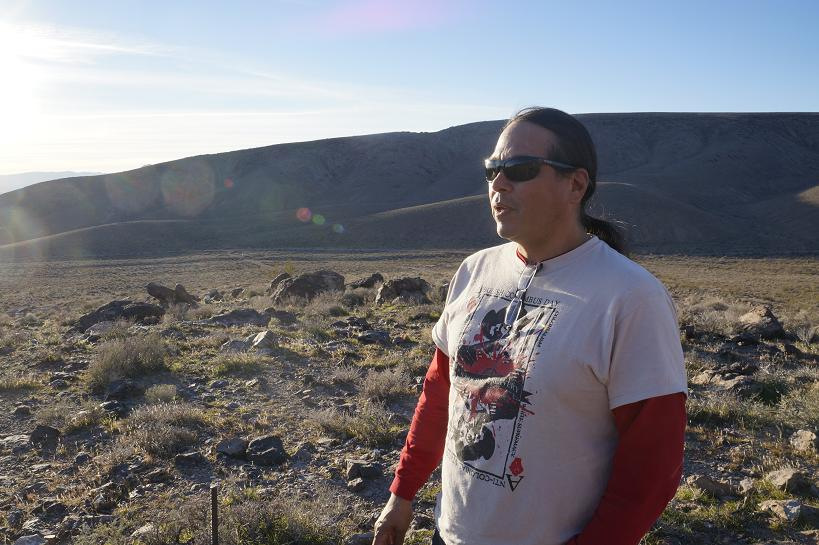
column 531, row 436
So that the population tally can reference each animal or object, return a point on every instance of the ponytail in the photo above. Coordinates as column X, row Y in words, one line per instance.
column 606, row 231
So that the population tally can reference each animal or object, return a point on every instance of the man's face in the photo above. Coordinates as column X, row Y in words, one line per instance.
column 533, row 211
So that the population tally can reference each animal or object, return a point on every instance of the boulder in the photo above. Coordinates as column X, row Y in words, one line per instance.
column 194, row 458
column 234, row 447
column 118, row 310
column 122, row 389
column 363, row 469
column 792, row 480
column 761, row 322
column 239, row 317
column 45, row 437
column 786, row 510
column 265, row 339
column 34, row 539
column 168, row 296
column 274, row 284
column 368, row 282
column 410, row 289
column 17, row 444
column 267, row 450
column 718, row 489
column 282, row 316
column 236, row 292
column 804, row 441
column 308, row 285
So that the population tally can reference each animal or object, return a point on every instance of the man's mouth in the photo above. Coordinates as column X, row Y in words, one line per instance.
column 499, row 208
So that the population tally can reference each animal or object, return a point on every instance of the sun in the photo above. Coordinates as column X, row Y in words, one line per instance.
column 19, row 82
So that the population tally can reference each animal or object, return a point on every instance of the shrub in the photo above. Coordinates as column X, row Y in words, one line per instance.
column 15, row 384
column 161, row 393
column 126, row 358
column 164, row 429
column 344, row 374
column 385, row 385
column 235, row 363
column 371, row 423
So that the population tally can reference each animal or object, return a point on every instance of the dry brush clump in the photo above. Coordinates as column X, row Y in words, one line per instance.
column 160, row 393
column 130, row 357
column 387, row 384
column 164, row 429
column 371, row 423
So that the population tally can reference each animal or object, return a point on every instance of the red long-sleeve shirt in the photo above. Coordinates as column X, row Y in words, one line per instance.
column 646, row 468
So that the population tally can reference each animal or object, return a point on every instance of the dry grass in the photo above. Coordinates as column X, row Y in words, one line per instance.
column 20, row 384
column 164, row 429
column 160, row 393
column 126, row 358
column 371, row 423
column 386, row 385
column 236, row 363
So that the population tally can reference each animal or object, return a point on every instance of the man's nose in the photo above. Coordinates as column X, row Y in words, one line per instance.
column 500, row 183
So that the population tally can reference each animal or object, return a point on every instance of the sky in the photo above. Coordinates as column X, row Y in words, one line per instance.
column 110, row 86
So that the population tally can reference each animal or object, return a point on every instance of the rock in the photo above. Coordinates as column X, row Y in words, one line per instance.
column 115, row 408
column 363, row 469
column 356, row 485
column 804, row 441
column 58, row 384
column 168, row 296
column 414, row 289
column 792, row 481
column 22, row 410
column 368, row 282
column 304, row 454
column 282, row 316
column 235, row 345
column 414, row 298
column 787, row 510
column 122, row 389
column 158, row 475
column 98, row 330
column 365, row 538
column 743, row 386
column 144, row 531
column 82, row 458
column 34, row 539
column 265, row 339
column 236, row 292
column 276, row 281
column 194, row 458
column 718, row 489
column 45, row 437
column 17, row 444
column 308, row 285
column 747, row 485
column 234, row 447
column 239, row 317
column 443, row 291
column 117, row 310
column 267, row 450
column 219, row 384
column 375, row 336
column 761, row 322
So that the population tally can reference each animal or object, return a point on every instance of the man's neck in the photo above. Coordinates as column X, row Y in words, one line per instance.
column 537, row 252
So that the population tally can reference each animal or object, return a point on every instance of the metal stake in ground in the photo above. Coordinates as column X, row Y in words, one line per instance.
column 214, row 515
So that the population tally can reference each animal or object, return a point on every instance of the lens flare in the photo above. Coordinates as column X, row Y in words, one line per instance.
column 229, row 183
column 304, row 214
column 188, row 188
column 131, row 192
column 338, row 228
column 318, row 219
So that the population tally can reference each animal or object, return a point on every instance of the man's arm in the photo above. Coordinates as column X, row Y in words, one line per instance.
column 421, row 454
column 645, row 474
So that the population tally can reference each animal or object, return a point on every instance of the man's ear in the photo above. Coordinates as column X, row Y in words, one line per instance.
column 579, row 180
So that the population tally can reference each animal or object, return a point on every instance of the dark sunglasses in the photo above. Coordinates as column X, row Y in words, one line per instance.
column 520, row 169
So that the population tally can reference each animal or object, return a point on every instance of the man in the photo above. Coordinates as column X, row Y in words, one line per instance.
column 556, row 396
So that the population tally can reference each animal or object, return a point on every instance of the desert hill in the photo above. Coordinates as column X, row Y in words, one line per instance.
column 681, row 183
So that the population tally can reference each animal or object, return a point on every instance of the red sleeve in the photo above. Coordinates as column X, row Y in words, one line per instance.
column 645, row 473
column 424, row 447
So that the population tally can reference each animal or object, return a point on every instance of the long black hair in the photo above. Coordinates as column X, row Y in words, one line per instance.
column 574, row 146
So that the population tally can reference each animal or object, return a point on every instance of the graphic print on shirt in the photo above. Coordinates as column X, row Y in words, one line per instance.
column 490, row 370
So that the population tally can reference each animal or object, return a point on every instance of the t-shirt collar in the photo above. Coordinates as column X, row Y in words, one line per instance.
column 557, row 261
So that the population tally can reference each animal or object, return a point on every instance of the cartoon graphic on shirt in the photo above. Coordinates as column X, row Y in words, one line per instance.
column 491, row 367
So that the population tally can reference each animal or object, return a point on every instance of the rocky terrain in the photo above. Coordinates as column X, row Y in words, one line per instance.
column 128, row 389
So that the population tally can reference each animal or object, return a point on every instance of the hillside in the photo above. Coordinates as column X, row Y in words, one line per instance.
column 682, row 183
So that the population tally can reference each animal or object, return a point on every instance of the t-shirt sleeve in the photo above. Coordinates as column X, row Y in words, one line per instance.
column 646, row 355
column 439, row 330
